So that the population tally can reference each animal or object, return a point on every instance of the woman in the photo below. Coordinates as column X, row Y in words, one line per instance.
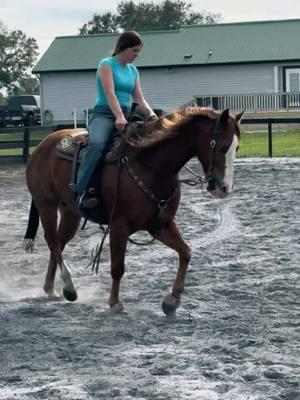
column 118, row 84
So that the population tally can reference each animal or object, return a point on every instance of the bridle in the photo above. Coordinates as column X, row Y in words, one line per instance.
column 210, row 176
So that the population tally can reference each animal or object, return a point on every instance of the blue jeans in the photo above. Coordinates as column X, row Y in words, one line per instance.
column 100, row 129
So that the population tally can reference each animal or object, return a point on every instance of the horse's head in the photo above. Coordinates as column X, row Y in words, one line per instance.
column 224, row 140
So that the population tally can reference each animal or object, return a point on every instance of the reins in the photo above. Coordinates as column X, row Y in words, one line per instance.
column 96, row 254
column 201, row 179
column 162, row 204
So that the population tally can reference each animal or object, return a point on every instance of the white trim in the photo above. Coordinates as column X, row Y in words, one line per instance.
column 288, row 72
column 75, row 117
column 276, row 83
column 42, row 99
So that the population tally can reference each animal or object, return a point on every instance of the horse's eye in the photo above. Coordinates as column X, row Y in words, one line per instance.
column 224, row 149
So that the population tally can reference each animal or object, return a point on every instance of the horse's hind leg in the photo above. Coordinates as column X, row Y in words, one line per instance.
column 171, row 237
column 118, row 242
column 50, row 276
column 68, row 226
column 48, row 215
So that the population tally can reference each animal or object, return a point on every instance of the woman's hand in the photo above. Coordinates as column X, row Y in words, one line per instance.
column 152, row 117
column 121, row 123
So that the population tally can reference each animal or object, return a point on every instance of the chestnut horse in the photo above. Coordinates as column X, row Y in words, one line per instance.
column 140, row 193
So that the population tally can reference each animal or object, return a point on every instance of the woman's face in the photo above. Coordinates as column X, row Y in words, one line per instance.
column 130, row 54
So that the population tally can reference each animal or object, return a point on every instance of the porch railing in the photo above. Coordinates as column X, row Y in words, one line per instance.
column 253, row 102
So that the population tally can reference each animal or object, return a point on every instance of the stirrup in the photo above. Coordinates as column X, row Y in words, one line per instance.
column 84, row 201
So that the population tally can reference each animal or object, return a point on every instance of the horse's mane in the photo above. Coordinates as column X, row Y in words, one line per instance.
column 172, row 123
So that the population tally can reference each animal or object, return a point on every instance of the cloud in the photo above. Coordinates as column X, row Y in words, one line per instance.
column 46, row 19
column 54, row 13
column 50, row 18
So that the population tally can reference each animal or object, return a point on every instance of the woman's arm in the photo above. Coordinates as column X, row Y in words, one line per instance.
column 138, row 97
column 107, row 81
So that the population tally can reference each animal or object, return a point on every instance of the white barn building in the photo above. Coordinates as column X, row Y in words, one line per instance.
column 252, row 64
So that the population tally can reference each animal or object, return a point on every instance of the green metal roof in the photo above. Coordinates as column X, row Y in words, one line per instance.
column 243, row 42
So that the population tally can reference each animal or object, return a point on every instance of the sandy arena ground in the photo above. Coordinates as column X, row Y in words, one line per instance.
column 235, row 337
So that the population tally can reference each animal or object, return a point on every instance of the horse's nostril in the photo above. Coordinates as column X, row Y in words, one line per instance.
column 224, row 189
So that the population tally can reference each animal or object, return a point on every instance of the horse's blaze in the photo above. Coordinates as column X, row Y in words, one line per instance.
column 229, row 160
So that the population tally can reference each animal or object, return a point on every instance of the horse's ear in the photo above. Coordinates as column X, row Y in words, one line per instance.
column 238, row 117
column 224, row 117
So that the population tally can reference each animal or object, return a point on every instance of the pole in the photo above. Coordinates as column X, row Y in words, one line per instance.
column 26, row 139
column 270, row 142
column 87, row 118
column 75, row 117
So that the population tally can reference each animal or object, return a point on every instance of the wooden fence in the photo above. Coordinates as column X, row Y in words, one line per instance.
column 21, row 139
column 269, row 122
column 29, row 138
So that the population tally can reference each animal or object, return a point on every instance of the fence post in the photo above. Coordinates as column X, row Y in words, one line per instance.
column 26, row 139
column 270, row 142
column 75, row 118
column 87, row 118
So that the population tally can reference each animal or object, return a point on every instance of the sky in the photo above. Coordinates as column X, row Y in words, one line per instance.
column 46, row 19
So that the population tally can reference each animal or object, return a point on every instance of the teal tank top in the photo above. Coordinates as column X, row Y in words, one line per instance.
column 124, row 77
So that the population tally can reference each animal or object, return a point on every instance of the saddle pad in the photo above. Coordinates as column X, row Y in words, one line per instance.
column 80, row 135
column 69, row 144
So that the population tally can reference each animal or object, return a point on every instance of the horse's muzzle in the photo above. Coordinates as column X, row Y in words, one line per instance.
column 211, row 186
column 219, row 193
column 216, row 190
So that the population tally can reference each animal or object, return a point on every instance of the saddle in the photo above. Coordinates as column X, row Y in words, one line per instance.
column 72, row 146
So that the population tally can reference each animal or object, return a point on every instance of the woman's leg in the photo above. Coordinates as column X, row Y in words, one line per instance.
column 100, row 130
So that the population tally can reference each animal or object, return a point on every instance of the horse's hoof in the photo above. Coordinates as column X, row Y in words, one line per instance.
column 28, row 245
column 170, row 304
column 117, row 308
column 70, row 295
column 53, row 296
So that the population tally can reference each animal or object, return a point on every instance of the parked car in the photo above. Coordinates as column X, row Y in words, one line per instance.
column 21, row 110
column 3, row 115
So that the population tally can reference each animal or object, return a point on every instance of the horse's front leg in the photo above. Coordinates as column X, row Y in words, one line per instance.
column 118, row 243
column 171, row 237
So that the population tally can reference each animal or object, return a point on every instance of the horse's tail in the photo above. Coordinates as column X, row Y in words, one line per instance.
column 32, row 228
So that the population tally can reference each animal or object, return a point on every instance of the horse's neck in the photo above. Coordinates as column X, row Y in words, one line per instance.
column 168, row 156
column 152, row 126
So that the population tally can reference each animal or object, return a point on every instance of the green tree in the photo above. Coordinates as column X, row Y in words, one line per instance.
column 148, row 16
column 3, row 99
column 26, row 85
column 100, row 24
column 17, row 56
